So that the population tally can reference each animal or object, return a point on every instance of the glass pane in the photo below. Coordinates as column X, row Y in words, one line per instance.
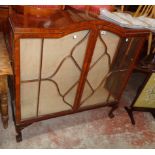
column 112, row 57
column 30, row 51
column 95, row 91
column 28, row 100
column 62, row 62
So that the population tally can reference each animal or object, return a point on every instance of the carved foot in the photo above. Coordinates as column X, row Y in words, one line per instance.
column 19, row 133
column 113, row 108
column 19, row 137
column 111, row 115
column 130, row 113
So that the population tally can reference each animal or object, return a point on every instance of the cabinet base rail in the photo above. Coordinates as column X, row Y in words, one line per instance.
column 24, row 124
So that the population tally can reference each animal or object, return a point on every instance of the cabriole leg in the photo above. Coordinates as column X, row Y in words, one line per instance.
column 19, row 134
column 19, row 137
column 114, row 106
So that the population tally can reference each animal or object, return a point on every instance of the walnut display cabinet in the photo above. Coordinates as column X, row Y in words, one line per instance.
column 68, row 63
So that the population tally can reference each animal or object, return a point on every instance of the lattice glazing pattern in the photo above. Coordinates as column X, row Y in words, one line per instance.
column 54, row 67
column 94, row 91
column 51, row 69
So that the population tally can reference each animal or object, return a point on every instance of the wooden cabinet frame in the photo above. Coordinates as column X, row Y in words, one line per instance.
column 86, row 23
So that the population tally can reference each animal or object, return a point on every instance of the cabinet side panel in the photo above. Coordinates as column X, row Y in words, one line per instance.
column 120, row 67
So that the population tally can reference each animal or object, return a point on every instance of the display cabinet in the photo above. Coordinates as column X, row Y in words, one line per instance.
column 67, row 63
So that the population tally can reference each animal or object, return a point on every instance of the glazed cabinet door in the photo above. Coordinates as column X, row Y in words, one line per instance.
column 94, row 91
column 50, row 69
column 108, row 69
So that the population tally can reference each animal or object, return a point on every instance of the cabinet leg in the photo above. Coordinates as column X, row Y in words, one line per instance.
column 19, row 134
column 113, row 108
column 19, row 137
column 130, row 113
column 19, row 129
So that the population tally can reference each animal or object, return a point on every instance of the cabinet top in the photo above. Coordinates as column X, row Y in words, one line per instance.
column 59, row 20
column 64, row 21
